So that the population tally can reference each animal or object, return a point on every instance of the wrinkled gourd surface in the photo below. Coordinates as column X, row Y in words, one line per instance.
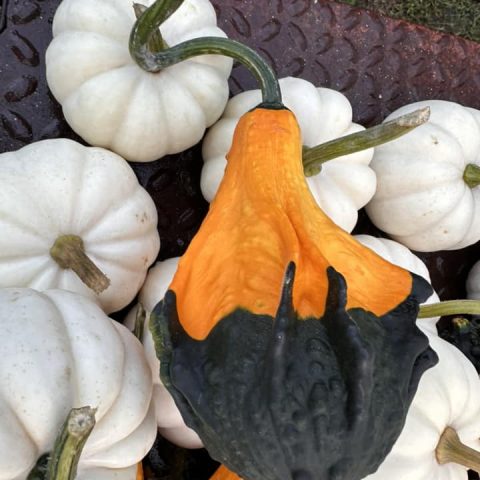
column 264, row 217
column 311, row 383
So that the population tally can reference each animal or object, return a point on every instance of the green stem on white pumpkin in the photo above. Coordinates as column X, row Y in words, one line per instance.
column 314, row 157
column 156, row 42
column 451, row 450
column 155, row 61
column 450, row 307
column 471, row 175
column 139, row 326
column 68, row 446
column 149, row 21
column 69, row 252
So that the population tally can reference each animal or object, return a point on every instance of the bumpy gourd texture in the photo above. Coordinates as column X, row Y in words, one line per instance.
column 343, row 186
column 287, row 398
column 263, row 217
column 314, row 383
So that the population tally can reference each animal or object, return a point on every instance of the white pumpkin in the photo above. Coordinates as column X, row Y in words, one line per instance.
column 111, row 102
column 447, row 396
column 57, row 187
column 400, row 255
column 60, row 351
column 169, row 420
column 129, row 473
column 473, row 282
column 422, row 199
column 343, row 186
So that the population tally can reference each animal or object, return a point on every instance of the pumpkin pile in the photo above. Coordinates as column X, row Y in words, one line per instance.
column 285, row 346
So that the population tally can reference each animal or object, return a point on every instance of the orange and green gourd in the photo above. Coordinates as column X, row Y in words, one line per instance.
column 290, row 348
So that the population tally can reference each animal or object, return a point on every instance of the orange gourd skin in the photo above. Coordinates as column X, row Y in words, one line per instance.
column 139, row 471
column 262, row 218
column 223, row 473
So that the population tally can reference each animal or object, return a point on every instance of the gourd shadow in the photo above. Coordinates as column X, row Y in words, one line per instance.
column 289, row 398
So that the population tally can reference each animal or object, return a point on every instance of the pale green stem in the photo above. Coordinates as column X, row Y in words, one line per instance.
column 314, row 157
column 471, row 175
column 140, row 317
column 450, row 307
column 461, row 324
column 69, row 253
column 69, row 444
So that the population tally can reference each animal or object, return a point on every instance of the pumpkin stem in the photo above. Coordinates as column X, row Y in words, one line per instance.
column 156, row 43
column 450, row 307
column 461, row 324
column 451, row 449
column 153, row 62
column 140, row 317
column 69, row 444
column 471, row 175
column 314, row 157
column 69, row 252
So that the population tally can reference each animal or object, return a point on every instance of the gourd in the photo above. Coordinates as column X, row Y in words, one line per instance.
column 427, row 195
column 75, row 218
column 446, row 403
column 250, row 377
column 59, row 351
column 111, row 101
column 342, row 186
column 215, row 334
column 169, row 419
column 400, row 255
column 473, row 282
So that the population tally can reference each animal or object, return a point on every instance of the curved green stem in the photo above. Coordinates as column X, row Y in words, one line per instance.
column 69, row 444
column 156, row 43
column 156, row 61
column 451, row 449
column 314, row 157
column 471, row 175
column 150, row 20
column 69, row 253
column 450, row 307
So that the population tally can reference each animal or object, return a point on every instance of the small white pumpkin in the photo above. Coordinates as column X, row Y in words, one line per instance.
column 58, row 187
column 422, row 199
column 111, row 102
column 60, row 351
column 342, row 187
column 169, row 420
column 400, row 255
column 447, row 396
column 473, row 282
